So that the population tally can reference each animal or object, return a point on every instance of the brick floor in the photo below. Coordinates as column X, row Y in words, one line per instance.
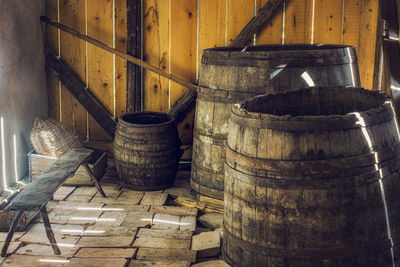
column 128, row 228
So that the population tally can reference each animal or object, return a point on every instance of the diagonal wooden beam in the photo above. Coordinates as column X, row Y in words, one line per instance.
column 257, row 23
column 71, row 81
column 123, row 55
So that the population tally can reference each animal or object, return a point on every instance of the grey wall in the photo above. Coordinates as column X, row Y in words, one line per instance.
column 23, row 93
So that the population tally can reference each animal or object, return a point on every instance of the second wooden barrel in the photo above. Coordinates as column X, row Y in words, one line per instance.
column 312, row 179
column 229, row 75
column 146, row 150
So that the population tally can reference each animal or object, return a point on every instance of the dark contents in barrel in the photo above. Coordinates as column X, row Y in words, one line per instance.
column 146, row 150
column 232, row 74
column 312, row 179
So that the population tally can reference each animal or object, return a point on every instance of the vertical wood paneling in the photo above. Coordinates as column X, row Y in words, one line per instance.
column 183, row 44
column 360, row 30
column 183, row 56
column 367, row 60
column 156, row 47
column 298, row 22
column 73, row 51
column 239, row 14
column 100, row 62
column 120, row 64
column 53, row 85
column 351, row 22
column 212, row 24
column 272, row 33
column 172, row 43
column 328, row 17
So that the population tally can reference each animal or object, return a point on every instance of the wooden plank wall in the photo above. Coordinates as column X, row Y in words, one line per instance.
column 102, row 72
column 175, row 32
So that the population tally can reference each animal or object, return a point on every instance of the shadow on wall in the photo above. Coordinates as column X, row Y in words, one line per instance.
column 23, row 93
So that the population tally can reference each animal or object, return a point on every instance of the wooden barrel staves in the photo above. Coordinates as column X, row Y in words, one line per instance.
column 312, row 179
column 230, row 75
column 146, row 150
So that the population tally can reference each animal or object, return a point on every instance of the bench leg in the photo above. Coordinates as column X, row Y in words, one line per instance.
column 49, row 231
column 94, row 180
column 11, row 231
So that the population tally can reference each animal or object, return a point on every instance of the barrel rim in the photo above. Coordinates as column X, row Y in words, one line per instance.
column 289, row 51
column 238, row 109
column 123, row 122
column 278, row 48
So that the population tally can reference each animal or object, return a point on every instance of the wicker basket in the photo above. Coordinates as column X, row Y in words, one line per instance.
column 52, row 138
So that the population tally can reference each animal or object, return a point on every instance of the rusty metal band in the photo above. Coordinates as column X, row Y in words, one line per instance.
column 313, row 166
column 208, row 171
column 167, row 151
column 207, row 191
column 146, row 188
column 292, row 184
column 156, row 129
column 214, row 139
column 322, row 253
column 208, row 178
column 155, row 164
column 228, row 96
column 273, row 63
column 162, row 137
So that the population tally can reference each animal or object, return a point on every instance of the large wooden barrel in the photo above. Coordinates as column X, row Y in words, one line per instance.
column 146, row 150
column 229, row 75
column 312, row 179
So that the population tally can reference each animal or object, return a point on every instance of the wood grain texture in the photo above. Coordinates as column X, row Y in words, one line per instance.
column 239, row 14
column 328, row 16
column 272, row 32
column 146, row 157
column 351, row 23
column 360, row 29
column 368, row 39
column 156, row 52
column 273, row 215
column 229, row 76
column 120, row 64
column 71, row 81
column 73, row 52
column 212, row 18
column 298, row 22
column 100, row 62
column 183, row 58
column 183, row 44
column 41, row 190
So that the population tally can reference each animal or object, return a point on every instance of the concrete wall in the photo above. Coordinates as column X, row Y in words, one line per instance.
column 23, row 93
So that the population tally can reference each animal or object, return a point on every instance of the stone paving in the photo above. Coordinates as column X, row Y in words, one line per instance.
column 128, row 228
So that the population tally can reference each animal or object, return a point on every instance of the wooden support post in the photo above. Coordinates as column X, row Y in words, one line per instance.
column 94, row 180
column 133, row 72
column 72, row 82
column 258, row 22
column 11, row 232
column 49, row 231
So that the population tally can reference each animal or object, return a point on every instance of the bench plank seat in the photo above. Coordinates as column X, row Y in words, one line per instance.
column 41, row 190
column 36, row 194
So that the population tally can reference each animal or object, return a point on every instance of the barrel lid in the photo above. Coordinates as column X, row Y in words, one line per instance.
column 274, row 56
column 315, row 108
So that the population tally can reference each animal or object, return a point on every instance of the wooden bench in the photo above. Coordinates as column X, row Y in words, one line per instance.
column 36, row 194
